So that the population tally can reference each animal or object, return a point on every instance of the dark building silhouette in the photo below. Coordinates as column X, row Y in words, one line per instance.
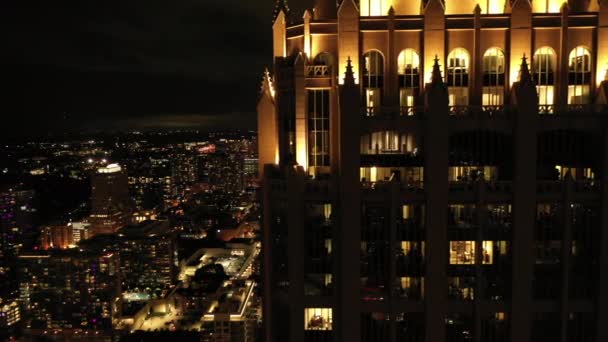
column 436, row 171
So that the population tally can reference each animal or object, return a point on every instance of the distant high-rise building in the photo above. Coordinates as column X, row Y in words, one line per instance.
column 250, row 166
column 56, row 236
column 111, row 205
column 16, row 234
column 436, row 170
column 10, row 314
column 184, row 173
column 68, row 289
column 148, row 257
column 80, row 231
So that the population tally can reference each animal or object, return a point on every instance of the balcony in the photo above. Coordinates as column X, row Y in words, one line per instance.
column 546, row 109
column 462, row 186
column 479, row 112
column 460, row 110
column 392, row 159
column 318, row 71
column 392, row 112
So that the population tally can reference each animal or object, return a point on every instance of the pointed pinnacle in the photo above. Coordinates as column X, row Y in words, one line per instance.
column 524, row 71
column 436, row 76
column 349, row 77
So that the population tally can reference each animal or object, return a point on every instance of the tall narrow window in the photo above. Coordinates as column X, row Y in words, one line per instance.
column 547, row 6
column 493, row 77
column 373, row 80
column 458, row 77
column 579, row 76
column 374, row 7
column 544, row 76
column 408, row 68
column 318, row 128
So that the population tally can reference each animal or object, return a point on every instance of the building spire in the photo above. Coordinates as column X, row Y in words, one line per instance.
column 524, row 72
column 349, row 76
column 267, row 87
column 436, row 76
column 280, row 5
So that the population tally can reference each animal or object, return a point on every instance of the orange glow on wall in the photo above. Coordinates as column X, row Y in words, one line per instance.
column 547, row 6
column 375, row 7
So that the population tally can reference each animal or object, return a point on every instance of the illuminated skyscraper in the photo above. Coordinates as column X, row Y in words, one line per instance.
column 110, row 202
column 436, row 171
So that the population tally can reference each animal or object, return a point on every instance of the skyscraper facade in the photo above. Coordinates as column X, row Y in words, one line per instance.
column 111, row 205
column 436, row 171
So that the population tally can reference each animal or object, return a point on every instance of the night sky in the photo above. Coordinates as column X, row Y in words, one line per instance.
column 74, row 65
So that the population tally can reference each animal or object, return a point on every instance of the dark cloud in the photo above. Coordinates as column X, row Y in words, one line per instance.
column 74, row 62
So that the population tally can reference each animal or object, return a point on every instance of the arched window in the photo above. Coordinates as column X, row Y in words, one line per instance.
column 408, row 69
column 493, row 77
column 458, row 77
column 579, row 76
column 373, row 80
column 324, row 64
column 544, row 63
column 324, row 58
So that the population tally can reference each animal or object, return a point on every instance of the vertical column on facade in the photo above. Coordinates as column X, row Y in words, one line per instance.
column 348, row 38
column 601, row 67
column 433, row 38
column 525, row 99
column 567, row 200
column 477, row 74
column 295, row 238
column 349, row 199
column 279, row 36
column 267, row 253
column 307, row 40
column 268, row 140
column 392, row 80
column 481, row 216
column 300, row 111
column 520, row 36
column 602, row 286
column 561, row 84
column 394, row 201
column 347, row 311
column 436, row 189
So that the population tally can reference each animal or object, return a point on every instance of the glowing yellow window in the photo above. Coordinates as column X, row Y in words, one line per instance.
column 462, row 252
column 318, row 319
